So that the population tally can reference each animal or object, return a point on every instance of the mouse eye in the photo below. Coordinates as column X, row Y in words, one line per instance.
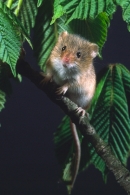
column 63, row 48
column 78, row 54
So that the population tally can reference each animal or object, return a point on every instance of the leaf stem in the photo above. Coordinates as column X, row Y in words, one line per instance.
column 16, row 12
column 9, row 3
column 55, row 30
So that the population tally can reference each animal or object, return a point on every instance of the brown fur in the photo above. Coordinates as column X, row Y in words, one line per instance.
column 76, row 77
column 80, row 79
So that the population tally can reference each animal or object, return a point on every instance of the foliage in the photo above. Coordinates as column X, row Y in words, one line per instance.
column 47, row 33
column 125, row 5
column 27, row 14
column 10, row 39
column 109, row 116
column 2, row 100
column 109, row 111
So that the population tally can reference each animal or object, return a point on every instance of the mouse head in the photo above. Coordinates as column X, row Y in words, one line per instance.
column 73, row 52
column 73, row 48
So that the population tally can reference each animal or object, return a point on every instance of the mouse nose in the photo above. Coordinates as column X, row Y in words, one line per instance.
column 66, row 58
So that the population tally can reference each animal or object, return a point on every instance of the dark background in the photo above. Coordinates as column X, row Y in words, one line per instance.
column 28, row 165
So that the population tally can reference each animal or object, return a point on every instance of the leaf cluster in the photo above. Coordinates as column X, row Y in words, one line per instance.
column 90, row 19
column 109, row 114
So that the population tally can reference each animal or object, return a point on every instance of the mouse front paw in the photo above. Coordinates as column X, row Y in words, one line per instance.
column 62, row 89
column 46, row 79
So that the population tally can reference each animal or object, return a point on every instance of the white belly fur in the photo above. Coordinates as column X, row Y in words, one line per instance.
column 80, row 97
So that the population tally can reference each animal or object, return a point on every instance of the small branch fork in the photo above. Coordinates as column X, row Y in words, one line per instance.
column 121, row 174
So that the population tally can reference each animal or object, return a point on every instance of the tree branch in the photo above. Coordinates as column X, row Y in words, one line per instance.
column 121, row 174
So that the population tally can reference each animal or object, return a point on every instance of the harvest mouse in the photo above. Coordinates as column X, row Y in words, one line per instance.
column 70, row 66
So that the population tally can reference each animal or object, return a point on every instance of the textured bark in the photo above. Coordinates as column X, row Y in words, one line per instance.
column 121, row 174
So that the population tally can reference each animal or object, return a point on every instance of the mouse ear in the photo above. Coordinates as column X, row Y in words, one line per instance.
column 94, row 49
column 64, row 34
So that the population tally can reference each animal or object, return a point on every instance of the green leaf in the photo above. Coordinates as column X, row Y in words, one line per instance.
column 39, row 3
column 5, row 84
column 57, row 13
column 109, row 115
column 68, row 174
column 2, row 100
column 10, row 39
column 126, row 83
column 26, row 11
column 19, row 77
column 93, row 30
column 16, row 21
column 47, row 34
column 27, row 14
column 45, row 41
column 111, row 8
column 125, row 5
column 82, row 9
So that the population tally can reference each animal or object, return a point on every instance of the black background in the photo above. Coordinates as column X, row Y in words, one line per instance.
column 28, row 165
